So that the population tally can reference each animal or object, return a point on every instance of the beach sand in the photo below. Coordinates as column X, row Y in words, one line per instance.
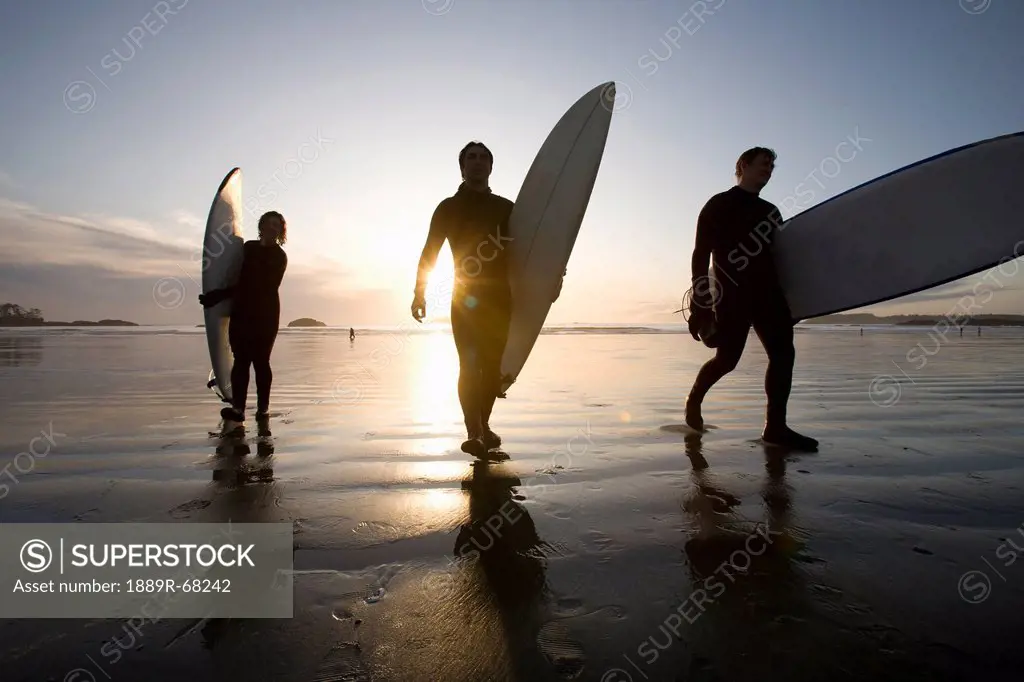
column 626, row 548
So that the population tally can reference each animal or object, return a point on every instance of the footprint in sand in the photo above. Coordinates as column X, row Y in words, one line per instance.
column 343, row 615
column 555, row 639
column 567, row 607
column 343, row 663
column 185, row 510
column 564, row 653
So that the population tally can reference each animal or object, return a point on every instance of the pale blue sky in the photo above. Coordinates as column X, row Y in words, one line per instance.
column 166, row 106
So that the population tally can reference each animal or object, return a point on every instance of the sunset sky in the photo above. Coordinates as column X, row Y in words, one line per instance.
column 120, row 118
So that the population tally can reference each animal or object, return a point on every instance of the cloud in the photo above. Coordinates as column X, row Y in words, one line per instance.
column 117, row 246
column 188, row 219
column 94, row 267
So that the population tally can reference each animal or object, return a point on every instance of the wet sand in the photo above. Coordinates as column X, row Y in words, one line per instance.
column 609, row 544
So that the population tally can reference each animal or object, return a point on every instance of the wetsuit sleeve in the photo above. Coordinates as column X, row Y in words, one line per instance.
column 706, row 226
column 279, row 273
column 435, row 240
column 776, row 220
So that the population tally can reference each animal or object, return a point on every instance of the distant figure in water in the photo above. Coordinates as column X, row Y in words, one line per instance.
column 862, row 331
column 736, row 226
column 255, row 314
column 474, row 221
column 351, row 334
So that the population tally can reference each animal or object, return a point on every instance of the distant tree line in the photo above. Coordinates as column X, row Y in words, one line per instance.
column 12, row 313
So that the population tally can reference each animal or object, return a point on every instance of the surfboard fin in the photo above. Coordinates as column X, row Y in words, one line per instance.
column 506, row 379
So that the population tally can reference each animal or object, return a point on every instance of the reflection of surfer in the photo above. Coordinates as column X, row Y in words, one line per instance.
column 710, row 504
column 231, row 468
column 744, row 579
column 255, row 314
column 736, row 226
column 503, row 539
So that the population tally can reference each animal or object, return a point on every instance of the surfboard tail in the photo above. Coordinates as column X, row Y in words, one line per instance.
column 213, row 385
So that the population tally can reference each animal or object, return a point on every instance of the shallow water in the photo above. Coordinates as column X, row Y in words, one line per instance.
column 621, row 516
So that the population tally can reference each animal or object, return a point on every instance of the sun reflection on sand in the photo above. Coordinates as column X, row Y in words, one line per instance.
column 432, row 471
column 434, row 395
column 443, row 500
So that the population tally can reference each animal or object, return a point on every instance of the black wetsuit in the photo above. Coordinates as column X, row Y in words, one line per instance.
column 475, row 224
column 255, row 318
column 737, row 227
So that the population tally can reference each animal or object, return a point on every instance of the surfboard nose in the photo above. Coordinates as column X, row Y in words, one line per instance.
column 606, row 94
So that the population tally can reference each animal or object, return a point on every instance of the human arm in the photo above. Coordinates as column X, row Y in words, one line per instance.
column 700, row 261
column 436, row 236
column 279, row 272
column 212, row 298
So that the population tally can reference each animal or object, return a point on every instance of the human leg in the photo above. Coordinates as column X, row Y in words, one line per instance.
column 774, row 327
column 733, row 332
column 239, row 338
column 263, row 372
column 239, row 388
column 776, row 335
column 264, row 378
column 466, row 344
column 494, row 338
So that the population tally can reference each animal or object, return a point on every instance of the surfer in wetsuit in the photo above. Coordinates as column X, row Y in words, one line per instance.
column 255, row 314
column 737, row 227
column 475, row 222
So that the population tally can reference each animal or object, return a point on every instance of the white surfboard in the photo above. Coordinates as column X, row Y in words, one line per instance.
column 222, row 261
column 936, row 221
column 547, row 217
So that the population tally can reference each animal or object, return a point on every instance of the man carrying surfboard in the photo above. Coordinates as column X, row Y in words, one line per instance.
column 475, row 222
column 736, row 226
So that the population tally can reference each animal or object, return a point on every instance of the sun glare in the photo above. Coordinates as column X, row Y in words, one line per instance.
column 439, row 288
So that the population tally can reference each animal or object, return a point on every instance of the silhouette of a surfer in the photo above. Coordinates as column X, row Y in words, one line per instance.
column 737, row 226
column 255, row 314
column 475, row 222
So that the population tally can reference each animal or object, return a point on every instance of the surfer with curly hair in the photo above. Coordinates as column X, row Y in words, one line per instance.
column 255, row 314
column 474, row 221
column 737, row 226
